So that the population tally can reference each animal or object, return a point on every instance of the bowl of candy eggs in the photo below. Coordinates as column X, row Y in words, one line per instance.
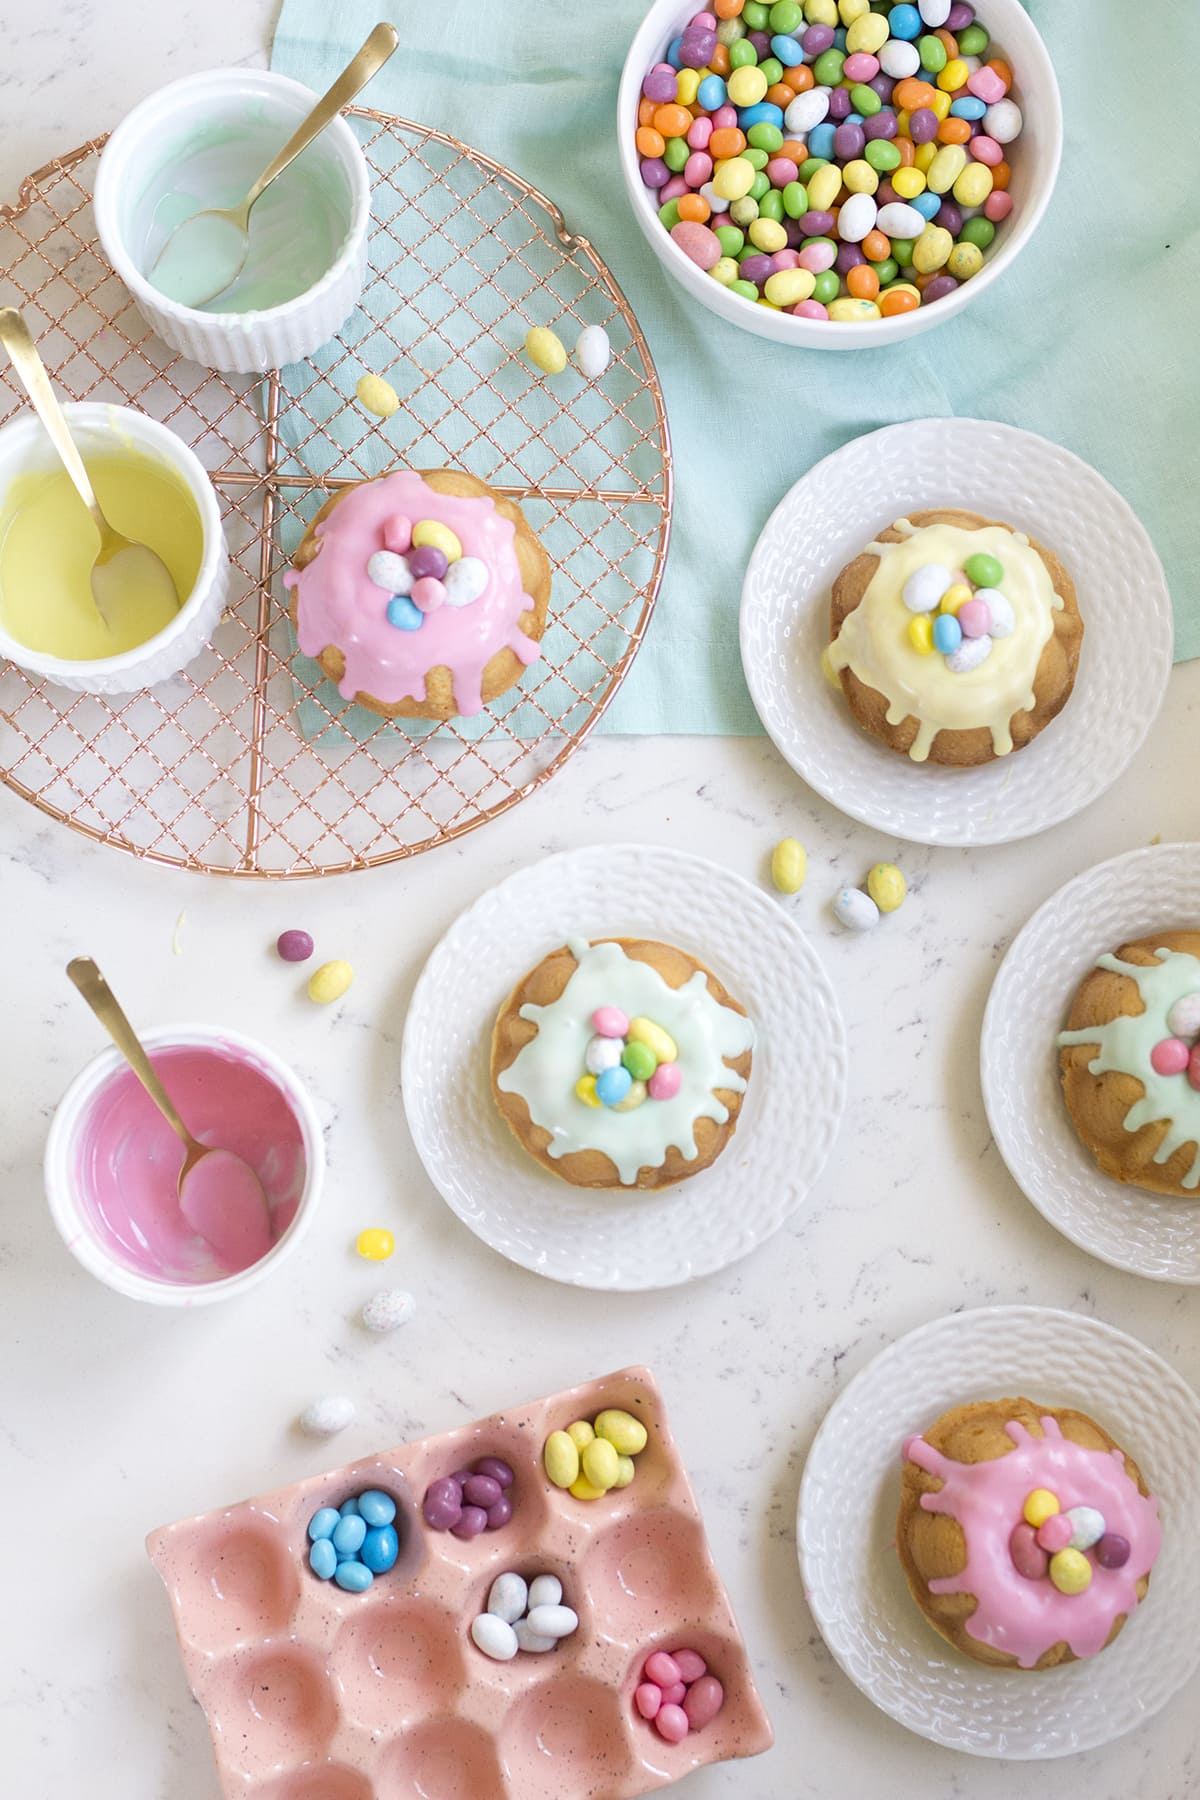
column 838, row 174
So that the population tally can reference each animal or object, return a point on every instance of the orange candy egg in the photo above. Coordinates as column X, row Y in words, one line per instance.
column 908, row 151
column 695, row 207
column 863, row 282
column 795, row 149
column 912, row 94
column 781, row 95
column 954, row 131
column 718, row 62
column 649, row 142
column 728, row 141
column 801, row 78
column 1001, row 176
column 949, row 40
column 646, row 112
column 672, row 120
column 899, row 301
column 728, row 9
column 1003, row 71
column 875, row 246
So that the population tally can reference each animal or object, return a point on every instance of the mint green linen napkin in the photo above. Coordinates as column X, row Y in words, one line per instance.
column 1086, row 340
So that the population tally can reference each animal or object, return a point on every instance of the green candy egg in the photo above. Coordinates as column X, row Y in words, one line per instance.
column 730, row 239
column 669, row 214
column 973, row 40
column 772, row 68
column 932, row 53
column 864, row 99
column 675, row 154
column 983, row 570
column 809, row 167
column 758, row 159
column 825, row 287
column 827, row 70
column 771, row 206
column 881, row 155
column 743, row 55
column 887, row 270
column 640, row 1060
column 795, row 199
column 785, row 15
column 978, row 231
column 756, row 15
column 759, row 188
column 902, row 251
column 767, row 138
column 746, row 289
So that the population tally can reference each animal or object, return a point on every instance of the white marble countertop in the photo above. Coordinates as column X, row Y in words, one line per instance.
column 117, row 1418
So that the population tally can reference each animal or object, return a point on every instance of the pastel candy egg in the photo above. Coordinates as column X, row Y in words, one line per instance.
column 593, row 351
column 599, row 1462
column 703, row 1701
column 698, row 243
column 856, row 218
column 638, row 1091
column 964, row 261
column 1028, row 1557
column 647, row 1697
column 348, row 1534
column 376, row 1243
column 1070, row 1571
column 499, row 1513
column 545, row 351
column 1087, row 1526
column 674, row 1695
column 852, row 311
column 984, row 570
column 404, row 614
column 691, row 1665
column 970, row 653
column 1170, row 1056
column 389, row 1308
column 472, row 1521
column 582, row 1489
column 376, row 1507
column 1183, row 1020
column 1003, row 121
column 442, row 1506
column 972, row 187
column 322, row 1559
column 427, row 560
column 354, row 1576
column 975, row 618
column 671, row 1723
column 560, row 1458
column 986, row 85
column 613, row 1085
column 397, row 533
column 1040, row 1505
column 580, row 1433
column 431, row 532
column 377, row 395
column 585, row 1090
column 390, row 572
column 920, row 634
column 329, row 982
column 947, row 633
column 789, row 865
column 508, row 1597
column 1056, row 1533
column 625, row 1433
column 855, row 910
column 529, row 1641
column 428, row 594
column 294, row 946
column 609, row 1022
column 931, row 250
column 945, row 169
column 327, row 1416
column 602, row 1053
column 897, row 220
column 956, row 595
column 899, row 59
column 545, row 1590
column 1112, row 1550
column 806, row 110
column 923, row 590
column 481, row 1490
column 465, row 580
column 645, row 1031
column 638, row 1058
column 380, row 1548
column 1000, row 607
column 553, row 1621
column 887, row 887
column 662, row 1668
column 787, row 287
column 498, row 1470
column 323, row 1523
column 495, row 1637
column 665, row 1082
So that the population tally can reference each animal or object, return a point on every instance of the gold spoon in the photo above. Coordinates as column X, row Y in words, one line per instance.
column 219, row 237
column 121, row 562
column 220, row 1195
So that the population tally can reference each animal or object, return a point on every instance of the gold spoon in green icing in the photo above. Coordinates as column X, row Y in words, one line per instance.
column 205, row 255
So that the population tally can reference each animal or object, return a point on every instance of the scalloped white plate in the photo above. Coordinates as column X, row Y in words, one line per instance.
column 1149, row 1234
column 845, row 1531
column 625, row 1240
column 1003, row 473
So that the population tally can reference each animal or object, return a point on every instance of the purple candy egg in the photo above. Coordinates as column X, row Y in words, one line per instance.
column 922, row 125
column 960, row 16
column 849, row 141
column 660, row 84
column 762, row 43
column 816, row 224
column 442, row 1506
column 883, row 125
column 696, row 47
column 755, row 269
column 817, row 39
column 655, row 172
column 849, row 256
column 885, row 87
column 949, row 216
column 461, row 1475
column 498, row 1470
column 427, row 561
column 938, row 288
column 471, row 1523
column 885, row 193
column 294, row 946
column 481, row 1490
column 500, row 1513
column 1112, row 1550
column 795, row 236
column 840, row 104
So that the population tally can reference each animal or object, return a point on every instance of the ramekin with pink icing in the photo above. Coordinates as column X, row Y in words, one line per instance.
column 423, row 593
column 1026, row 1534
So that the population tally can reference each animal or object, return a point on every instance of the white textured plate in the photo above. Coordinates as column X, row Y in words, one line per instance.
column 1036, row 486
column 618, row 1239
column 846, row 1529
column 1128, row 897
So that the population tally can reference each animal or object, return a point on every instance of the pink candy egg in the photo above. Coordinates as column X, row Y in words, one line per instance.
column 705, row 1699
column 1029, row 1559
column 674, row 189
column 691, row 1664
column 397, row 534
column 661, row 1668
column 698, row 243
column 818, row 257
column 699, row 133
column 648, row 1699
column 725, row 118
column 703, row 21
column 985, row 149
column 1055, row 1533
column 609, row 1021
column 781, row 170
column 666, row 1081
column 672, row 1724
column 674, row 1695
column 861, row 66
column 975, row 617
column 998, row 205
column 810, row 309
column 1170, row 1056
column 986, row 85
column 428, row 594
column 786, row 259
column 697, row 169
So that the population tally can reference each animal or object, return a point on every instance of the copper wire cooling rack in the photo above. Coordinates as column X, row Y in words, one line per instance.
column 249, row 763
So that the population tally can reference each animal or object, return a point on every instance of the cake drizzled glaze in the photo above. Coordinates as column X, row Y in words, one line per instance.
column 1025, row 1618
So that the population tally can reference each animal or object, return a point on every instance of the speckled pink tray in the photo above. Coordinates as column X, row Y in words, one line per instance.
column 316, row 1694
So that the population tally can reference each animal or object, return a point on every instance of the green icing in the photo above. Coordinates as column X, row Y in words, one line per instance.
column 1125, row 1043
column 545, row 1070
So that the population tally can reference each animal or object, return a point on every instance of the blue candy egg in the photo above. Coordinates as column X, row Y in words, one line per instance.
column 380, row 1549
column 348, row 1535
column 322, row 1523
column 905, row 22
column 970, row 108
column 355, row 1577
column 673, row 56
column 376, row 1507
column 762, row 114
column 349, row 1506
column 613, row 1085
column 787, row 50
column 947, row 633
column 927, row 204
column 853, row 118
column 839, row 38
column 322, row 1559
column 404, row 613
column 820, row 140
column 711, row 93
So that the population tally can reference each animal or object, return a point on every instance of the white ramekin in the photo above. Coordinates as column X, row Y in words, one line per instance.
column 72, row 1220
column 132, row 179
column 1035, row 170
column 96, row 427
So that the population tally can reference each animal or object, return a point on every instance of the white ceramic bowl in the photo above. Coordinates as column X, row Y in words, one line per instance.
column 73, row 1219
column 224, row 127
column 1034, row 166
column 95, row 427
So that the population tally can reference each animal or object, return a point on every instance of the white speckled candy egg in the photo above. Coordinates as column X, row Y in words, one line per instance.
column 328, row 1415
column 495, row 1637
column 1000, row 607
column 545, row 1590
column 387, row 1309
column 897, row 219
column 934, row 12
column 390, row 572
column 603, row 1053
column 806, row 110
column 593, row 352
column 970, row 653
column 553, row 1621
column 899, row 58
column 1002, row 121
column 855, row 910
column 465, row 580
column 856, row 218
column 507, row 1597
column 1183, row 1020
column 925, row 586
column 531, row 1641
column 1089, row 1527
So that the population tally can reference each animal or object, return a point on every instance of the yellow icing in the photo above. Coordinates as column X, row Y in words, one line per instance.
column 874, row 641
column 48, row 545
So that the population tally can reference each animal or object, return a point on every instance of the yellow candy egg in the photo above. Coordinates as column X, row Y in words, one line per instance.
column 920, row 634
column 645, row 1031
column 626, row 1471
column 868, row 34
column 544, row 348
column 437, row 536
column 789, row 865
column 633, row 1099
column 1070, row 1571
column 824, row 187
column 964, row 261
column 377, row 395
column 580, row 1433
column 954, row 597
column 946, row 168
column 626, row 1434
column 923, row 155
column 821, row 12
column 932, row 250
column 953, row 76
column 909, row 182
column 973, row 186
column 746, row 86
column 687, row 86
column 885, row 884
column 560, row 1455
column 734, row 178
column 854, row 311
column 585, row 1090
column 376, row 1245
column 600, row 1465
column 768, row 236
column 860, row 177
column 940, row 105
column 583, row 1490
column 329, row 982
column 1039, row 1506
column 852, row 10
column 724, row 270
column 787, row 287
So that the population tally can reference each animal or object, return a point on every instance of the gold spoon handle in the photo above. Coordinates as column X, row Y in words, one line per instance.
column 103, row 1002
column 355, row 75
column 31, row 371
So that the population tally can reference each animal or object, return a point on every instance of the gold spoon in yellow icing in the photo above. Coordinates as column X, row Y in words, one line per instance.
column 121, row 564
column 206, row 253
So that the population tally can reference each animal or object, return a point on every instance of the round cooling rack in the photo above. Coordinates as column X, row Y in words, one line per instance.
column 250, row 763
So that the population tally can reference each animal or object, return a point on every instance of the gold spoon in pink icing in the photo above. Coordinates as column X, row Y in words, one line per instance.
column 220, row 1195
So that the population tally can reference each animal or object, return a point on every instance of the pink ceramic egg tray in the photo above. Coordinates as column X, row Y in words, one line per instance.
column 316, row 1694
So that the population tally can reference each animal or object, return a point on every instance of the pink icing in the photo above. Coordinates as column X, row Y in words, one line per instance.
column 338, row 605
column 1026, row 1618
